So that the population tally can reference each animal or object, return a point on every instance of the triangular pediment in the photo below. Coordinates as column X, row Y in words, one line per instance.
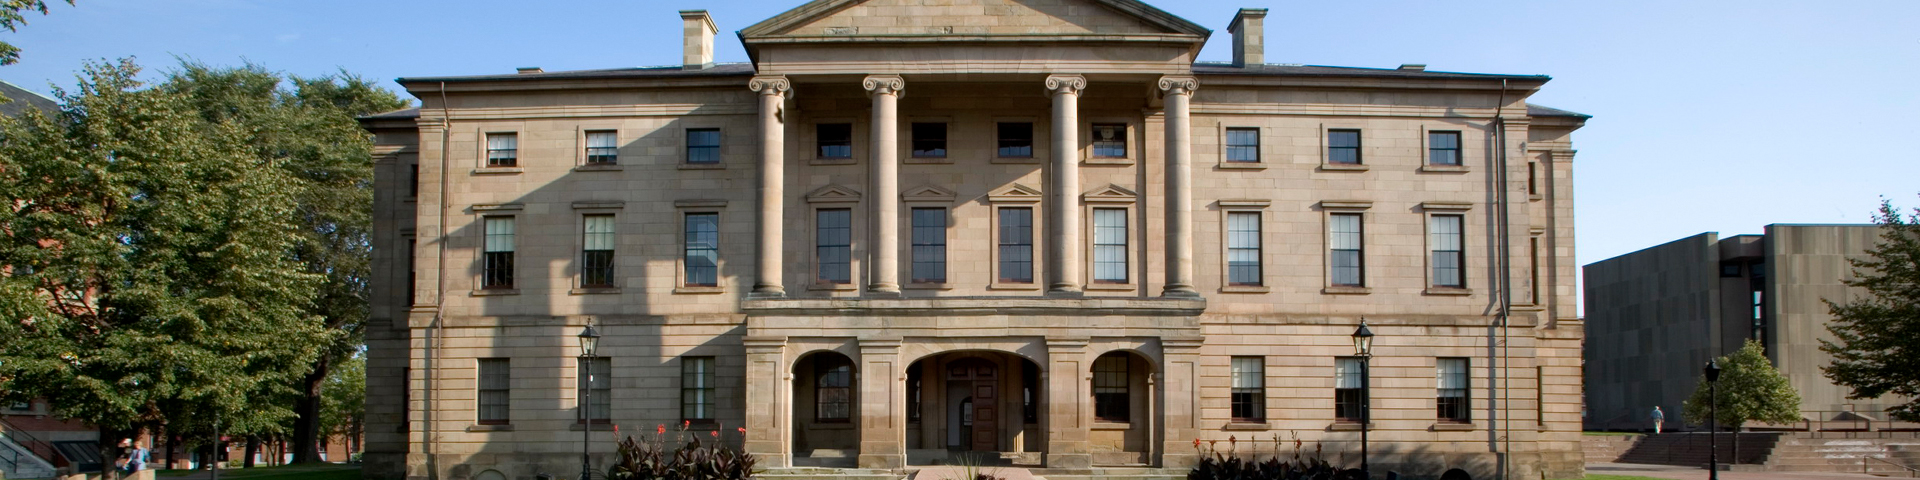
column 833, row 193
column 927, row 193
column 973, row 18
column 1110, row 193
column 1015, row 193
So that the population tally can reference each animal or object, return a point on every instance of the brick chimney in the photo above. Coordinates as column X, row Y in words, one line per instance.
column 699, row 29
column 1249, row 38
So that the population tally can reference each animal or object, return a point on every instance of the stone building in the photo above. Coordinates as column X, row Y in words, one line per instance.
column 1034, row 229
column 1659, row 314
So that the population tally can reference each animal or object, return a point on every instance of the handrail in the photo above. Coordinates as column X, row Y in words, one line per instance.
column 14, row 432
column 1911, row 472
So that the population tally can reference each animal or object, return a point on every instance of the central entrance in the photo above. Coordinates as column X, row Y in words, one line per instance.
column 978, row 404
column 972, row 393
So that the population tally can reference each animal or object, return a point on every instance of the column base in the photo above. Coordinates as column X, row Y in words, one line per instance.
column 1064, row 292
column 1181, row 291
column 883, row 289
column 767, row 291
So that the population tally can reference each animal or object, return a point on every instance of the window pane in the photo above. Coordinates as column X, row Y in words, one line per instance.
column 1444, row 237
column 1243, row 145
column 833, row 393
column 1243, row 248
column 833, row 242
column 497, row 269
column 1345, row 255
column 929, row 245
column 1248, row 396
column 1452, row 400
column 502, row 149
column 703, row 145
column 1110, row 140
column 1016, row 245
column 930, row 140
column 1443, row 148
column 1016, row 139
column 702, row 249
column 835, row 139
column 1347, row 384
column 600, row 403
column 1110, row 245
column 1110, row 382
column 597, row 256
column 696, row 388
column 499, row 234
column 1343, row 147
column 495, row 389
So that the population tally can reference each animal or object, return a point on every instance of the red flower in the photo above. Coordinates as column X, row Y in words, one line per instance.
column 684, row 424
column 743, row 430
column 662, row 429
column 616, row 429
column 1196, row 443
column 716, row 434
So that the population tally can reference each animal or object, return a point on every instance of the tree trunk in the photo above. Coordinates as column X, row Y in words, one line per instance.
column 109, row 452
column 1736, row 443
column 173, row 441
column 306, row 409
column 253, row 449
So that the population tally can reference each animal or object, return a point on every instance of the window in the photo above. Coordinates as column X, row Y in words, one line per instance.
column 1110, row 387
column 413, row 180
column 833, row 247
column 832, row 389
column 696, row 388
column 1249, row 388
column 835, row 140
column 1243, row 249
column 1343, row 147
column 1533, row 270
column 1349, row 400
column 1110, row 140
column 703, row 250
column 930, row 140
column 1533, row 178
column 1443, row 148
column 21, row 406
column 1449, row 256
column 1016, row 245
column 495, row 382
column 1452, row 401
column 600, row 403
column 913, row 394
column 1345, row 253
column 596, row 257
column 503, row 149
column 929, row 245
column 703, row 146
column 1030, row 393
column 1110, row 245
column 1243, row 145
column 498, row 256
column 1016, row 139
column 603, row 147
column 412, row 275
column 1730, row 269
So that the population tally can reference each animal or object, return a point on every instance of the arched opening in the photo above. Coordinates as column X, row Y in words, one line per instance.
column 1123, row 410
column 984, row 405
column 826, row 411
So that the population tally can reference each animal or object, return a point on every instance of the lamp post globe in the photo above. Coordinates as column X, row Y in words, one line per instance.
column 589, row 342
column 1363, row 347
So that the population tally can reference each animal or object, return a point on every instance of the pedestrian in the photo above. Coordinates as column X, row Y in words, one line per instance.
column 133, row 460
column 1657, row 419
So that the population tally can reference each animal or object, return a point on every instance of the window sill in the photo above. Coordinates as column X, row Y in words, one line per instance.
column 1242, row 166
column 831, row 161
column 1110, row 287
column 1014, row 160
column 702, row 166
column 599, row 425
column 1013, row 286
column 1343, row 167
column 1448, row 291
column 498, row 171
column 1529, row 308
column 594, row 291
column 1240, row 425
column 928, row 286
column 490, row 428
column 1246, row 289
column 833, row 287
column 699, row 290
column 927, row 160
column 1100, row 425
column 1346, row 291
column 599, row 168
column 1122, row 161
column 1445, row 168
column 1453, row 427
column 1348, row 427
column 489, row 292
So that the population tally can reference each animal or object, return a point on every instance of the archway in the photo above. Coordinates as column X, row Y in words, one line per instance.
column 1124, row 416
column 826, row 410
column 982, row 404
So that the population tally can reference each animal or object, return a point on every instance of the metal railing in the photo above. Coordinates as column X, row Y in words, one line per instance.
column 1845, row 424
column 34, row 445
column 1911, row 472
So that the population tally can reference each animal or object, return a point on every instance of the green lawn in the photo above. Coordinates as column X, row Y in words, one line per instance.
column 1620, row 477
column 322, row 471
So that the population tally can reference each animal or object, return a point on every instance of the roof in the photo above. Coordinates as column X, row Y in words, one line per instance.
column 717, row 70
column 1290, row 69
column 820, row 8
column 23, row 99
column 1545, row 111
column 401, row 114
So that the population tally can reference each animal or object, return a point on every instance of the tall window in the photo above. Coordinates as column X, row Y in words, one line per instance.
column 498, row 253
column 1029, row 393
column 1249, row 402
column 930, row 140
column 495, row 388
column 1110, row 387
column 603, row 147
column 1449, row 255
column 1110, row 140
column 913, row 394
column 696, row 388
column 1443, row 148
column 833, row 246
column 703, row 250
column 1016, row 139
column 1243, row 145
column 1343, row 147
column 1110, row 245
column 412, row 274
column 600, row 406
column 929, row 245
column 1453, row 390
column 1016, row 245
column 596, row 257
column 1533, row 270
column 503, row 149
column 413, row 180
column 835, row 140
column 1345, row 249
column 703, row 146
column 832, row 388
column 1348, row 390
column 1243, row 249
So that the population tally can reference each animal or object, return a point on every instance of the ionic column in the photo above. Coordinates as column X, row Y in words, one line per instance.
column 773, row 96
column 1177, row 92
column 884, row 269
column 1063, row 245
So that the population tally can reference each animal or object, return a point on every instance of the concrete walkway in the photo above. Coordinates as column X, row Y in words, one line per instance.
column 1691, row 473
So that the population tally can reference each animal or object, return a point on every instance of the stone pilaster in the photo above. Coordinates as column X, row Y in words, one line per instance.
column 1066, row 418
column 884, row 175
column 1178, row 91
column 1063, row 244
column 770, row 225
column 1180, row 415
column 767, row 421
column 883, row 397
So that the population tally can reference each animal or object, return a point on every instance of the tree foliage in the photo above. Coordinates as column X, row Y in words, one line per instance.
column 1877, row 336
column 343, row 398
column 1750, row 390
column 12, row 16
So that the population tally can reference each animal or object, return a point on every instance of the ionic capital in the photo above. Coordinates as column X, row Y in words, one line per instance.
column 1065, row 84
column 884, row 85
column 775, row 85
column 1172, row 85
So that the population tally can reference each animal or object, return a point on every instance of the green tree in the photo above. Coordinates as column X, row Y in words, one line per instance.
column 1750, row 390
column 1877, row 347
column 147, row 262
column 343, row 408
column 11, row 18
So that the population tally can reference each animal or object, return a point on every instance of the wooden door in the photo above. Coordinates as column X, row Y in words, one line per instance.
column 986, row 418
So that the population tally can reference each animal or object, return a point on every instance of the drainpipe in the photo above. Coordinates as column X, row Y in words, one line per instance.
column 440, row 293
column 1504, row 283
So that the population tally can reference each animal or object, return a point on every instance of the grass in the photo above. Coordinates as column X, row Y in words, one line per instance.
column 1620, row 477
column 1612, row 434
column 321, row 471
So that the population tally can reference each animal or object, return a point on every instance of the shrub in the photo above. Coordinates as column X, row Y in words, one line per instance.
column 1217, row 465
column 692, row 460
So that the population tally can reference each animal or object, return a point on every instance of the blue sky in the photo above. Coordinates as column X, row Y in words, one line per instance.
column 1709, row 116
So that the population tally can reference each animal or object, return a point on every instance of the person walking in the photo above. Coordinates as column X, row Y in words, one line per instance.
column 1658, row 418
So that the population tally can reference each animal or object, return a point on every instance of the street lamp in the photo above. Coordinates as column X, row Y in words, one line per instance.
column 589, row 340
column 1363, row 345
column 1713, row 425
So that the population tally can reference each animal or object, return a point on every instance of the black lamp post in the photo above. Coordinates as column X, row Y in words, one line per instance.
column 589, row 340
column 1363, row 345
column 1713, row 417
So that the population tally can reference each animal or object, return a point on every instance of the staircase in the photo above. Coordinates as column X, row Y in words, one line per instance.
column 822, row 473
column 17, row 461
column 1849, row 455
column 1607, row 448
column 1690, row 449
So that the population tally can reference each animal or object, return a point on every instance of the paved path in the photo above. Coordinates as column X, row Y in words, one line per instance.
column 1691, row 473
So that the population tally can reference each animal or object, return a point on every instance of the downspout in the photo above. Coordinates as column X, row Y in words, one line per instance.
column 440, row 293
column 1505, row 282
